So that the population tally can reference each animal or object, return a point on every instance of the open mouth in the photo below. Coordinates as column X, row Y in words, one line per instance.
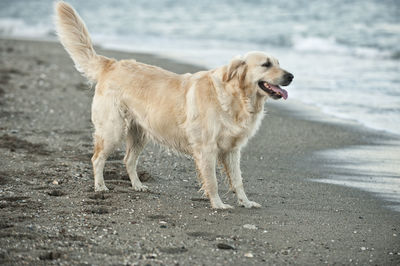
column 274, row 91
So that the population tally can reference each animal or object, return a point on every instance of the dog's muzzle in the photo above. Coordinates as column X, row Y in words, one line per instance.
column 274, row 91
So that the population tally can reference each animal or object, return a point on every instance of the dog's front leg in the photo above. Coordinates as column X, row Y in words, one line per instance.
column 231, row 162
column 205, row 162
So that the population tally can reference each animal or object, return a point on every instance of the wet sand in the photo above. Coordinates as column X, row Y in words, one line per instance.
column 50, row 214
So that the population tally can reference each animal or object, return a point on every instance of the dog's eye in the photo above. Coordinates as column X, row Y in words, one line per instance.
column 267, row 64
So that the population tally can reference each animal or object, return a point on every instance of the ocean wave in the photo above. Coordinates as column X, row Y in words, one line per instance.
column 314, row 44
column 19, row 28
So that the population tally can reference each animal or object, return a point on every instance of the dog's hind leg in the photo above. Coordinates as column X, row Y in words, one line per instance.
column 135, row 141
column 231, row 162
column 103, row 147
column 205, row 162
column 109, row 129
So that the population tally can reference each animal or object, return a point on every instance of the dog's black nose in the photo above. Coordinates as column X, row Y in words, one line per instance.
column 289, row 77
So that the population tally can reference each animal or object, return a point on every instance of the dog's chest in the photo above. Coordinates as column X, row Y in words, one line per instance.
column 235, row 135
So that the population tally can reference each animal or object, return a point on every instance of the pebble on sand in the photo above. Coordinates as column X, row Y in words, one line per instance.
column 249, row 255
column 250, row 226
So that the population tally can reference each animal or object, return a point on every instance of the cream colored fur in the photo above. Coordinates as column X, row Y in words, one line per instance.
column 209, row 115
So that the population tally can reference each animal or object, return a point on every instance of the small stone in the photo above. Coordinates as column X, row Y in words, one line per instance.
column 363, row 248
column 144, row 176
column 55, row 182
column 250, row 226
column 100, row 210
column 150, row 256
column 56, row 193
column 53, row 255
column 285, row 252
column 224, row 246
column 249, row 255
column 97, row 195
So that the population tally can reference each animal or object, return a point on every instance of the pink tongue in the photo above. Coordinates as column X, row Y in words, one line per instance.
column 280, row 91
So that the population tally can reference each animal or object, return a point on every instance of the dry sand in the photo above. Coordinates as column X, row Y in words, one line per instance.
column 50, row 214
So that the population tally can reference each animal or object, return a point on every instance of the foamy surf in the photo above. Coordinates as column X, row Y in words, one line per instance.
column 372, row 168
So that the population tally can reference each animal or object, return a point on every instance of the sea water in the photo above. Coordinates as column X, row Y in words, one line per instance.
column 373, row 168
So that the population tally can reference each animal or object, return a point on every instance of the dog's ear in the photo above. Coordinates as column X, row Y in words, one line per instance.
column 233, row 69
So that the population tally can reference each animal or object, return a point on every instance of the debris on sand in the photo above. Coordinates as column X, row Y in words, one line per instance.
column 250, row 226
column 56, row 193
column 224, row 246
column 248, row 255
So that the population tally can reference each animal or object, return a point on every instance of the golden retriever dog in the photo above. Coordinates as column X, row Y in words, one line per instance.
column 209, row 115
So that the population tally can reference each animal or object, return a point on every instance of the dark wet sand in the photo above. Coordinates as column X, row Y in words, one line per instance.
column 50, row 214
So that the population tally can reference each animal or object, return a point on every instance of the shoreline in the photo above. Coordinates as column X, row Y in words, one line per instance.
column 45, row 134
column 371, row 164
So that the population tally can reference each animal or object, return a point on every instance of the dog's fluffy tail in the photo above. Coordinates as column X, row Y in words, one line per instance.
column 75, row 38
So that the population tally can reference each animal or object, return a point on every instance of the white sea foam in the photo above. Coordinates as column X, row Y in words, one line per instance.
column 331, row 45
column 375, row 169
column 318, row 44
column 19, row 28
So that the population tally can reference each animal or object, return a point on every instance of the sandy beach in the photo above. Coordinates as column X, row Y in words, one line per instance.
column 51, row 215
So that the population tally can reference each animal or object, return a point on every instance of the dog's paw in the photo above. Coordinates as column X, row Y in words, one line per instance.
column 140, row 187
column 100, row 188
column 249, row 204
column 221, row 206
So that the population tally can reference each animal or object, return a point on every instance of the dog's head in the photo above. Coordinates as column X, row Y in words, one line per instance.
column 258, row 73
